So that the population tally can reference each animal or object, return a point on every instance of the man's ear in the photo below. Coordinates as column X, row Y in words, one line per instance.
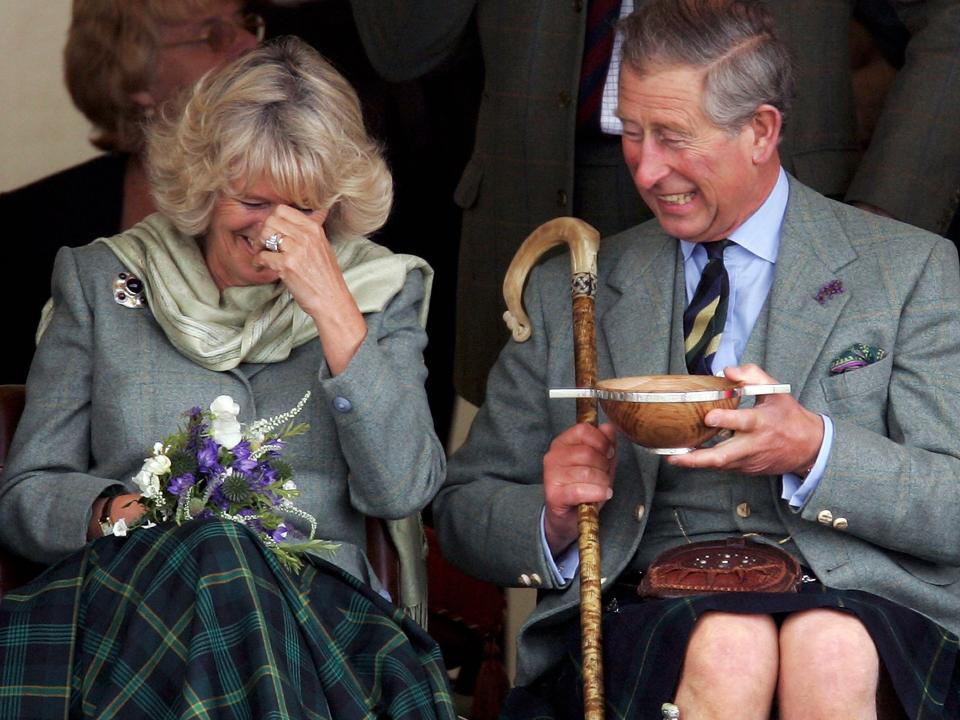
column 766, row 124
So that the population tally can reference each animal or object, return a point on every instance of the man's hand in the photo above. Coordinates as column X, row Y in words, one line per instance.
column 776, row 436
column 578, row 468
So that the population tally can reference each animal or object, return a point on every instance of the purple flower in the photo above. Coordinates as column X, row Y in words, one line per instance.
column 242, row 460
column 208, row 457
column 280, row 534
column 180, row 484
column 834, row 287
column 268, row 475
column 219, row 500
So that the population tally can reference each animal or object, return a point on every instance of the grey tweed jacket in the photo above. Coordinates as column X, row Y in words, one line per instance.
column 894, row 470
column 106, row 384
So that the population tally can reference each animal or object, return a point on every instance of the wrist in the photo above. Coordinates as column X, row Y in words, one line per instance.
column 558, row 540
column 106, row 521
column 804, row 468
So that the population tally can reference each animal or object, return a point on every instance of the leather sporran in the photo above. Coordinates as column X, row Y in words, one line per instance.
column 719, row 566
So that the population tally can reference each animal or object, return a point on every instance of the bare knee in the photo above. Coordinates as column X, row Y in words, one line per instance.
column 721, row 641
column 828, row 662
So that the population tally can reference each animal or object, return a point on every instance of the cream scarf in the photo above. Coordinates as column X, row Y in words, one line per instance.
column 256, row 324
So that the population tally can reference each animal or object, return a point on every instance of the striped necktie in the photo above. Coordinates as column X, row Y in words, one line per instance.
column 706, row 314
column 602, row 18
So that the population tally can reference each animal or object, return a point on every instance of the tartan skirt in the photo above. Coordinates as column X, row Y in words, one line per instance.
column 200, row 621
column 644, row 642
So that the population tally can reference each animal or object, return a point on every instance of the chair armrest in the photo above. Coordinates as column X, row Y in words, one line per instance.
column 383, row 557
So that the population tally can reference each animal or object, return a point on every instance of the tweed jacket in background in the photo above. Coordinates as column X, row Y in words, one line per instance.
column 894, row 470
column 522, row 170
column 106, row 384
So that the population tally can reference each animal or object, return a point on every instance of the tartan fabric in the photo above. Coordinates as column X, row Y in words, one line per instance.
column 200, row 621
column 644, row 643
column 705, row 316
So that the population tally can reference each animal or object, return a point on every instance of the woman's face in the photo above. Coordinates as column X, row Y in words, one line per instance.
column 233, row 241
column 184, row 54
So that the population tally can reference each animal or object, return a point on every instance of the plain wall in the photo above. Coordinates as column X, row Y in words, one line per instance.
column 40, row 130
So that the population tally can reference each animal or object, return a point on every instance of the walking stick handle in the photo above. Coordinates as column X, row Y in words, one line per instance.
column 584, row 242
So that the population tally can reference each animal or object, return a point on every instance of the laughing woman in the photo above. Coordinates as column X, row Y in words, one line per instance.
column 254, row 281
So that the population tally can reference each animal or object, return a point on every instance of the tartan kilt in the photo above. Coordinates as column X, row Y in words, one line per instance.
column 644, row 642
column 200, row 621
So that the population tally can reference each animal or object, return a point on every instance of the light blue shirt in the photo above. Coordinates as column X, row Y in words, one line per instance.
column 750, row 265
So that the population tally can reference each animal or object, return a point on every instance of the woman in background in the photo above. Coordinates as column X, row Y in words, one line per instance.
column 123, row 60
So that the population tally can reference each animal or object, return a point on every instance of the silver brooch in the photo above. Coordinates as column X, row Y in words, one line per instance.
column 128, row 291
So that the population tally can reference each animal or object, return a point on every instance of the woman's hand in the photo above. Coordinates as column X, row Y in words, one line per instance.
column 306, row 263
column 126, row 507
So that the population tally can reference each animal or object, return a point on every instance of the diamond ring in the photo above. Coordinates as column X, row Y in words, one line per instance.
column 273, row 242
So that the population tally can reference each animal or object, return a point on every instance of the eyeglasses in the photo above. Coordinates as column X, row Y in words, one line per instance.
column 221, row 34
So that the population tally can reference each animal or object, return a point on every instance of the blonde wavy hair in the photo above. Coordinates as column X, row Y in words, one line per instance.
column 111, row 53
column 280, row 113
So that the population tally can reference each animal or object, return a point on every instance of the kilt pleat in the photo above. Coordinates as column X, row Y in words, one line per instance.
column 644, row 644
column 200, row 621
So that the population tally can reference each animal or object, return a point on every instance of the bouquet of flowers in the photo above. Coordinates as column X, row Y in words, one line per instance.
column 216, row 467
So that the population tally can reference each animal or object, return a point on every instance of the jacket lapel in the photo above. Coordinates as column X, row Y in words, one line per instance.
column 813, row 251
column 634, row 309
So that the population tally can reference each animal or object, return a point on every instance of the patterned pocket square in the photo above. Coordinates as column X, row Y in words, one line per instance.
column 856, row 356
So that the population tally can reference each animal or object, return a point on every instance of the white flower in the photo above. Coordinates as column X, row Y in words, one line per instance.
column 148, row 483
column 226, row 432
column 120, row 528
column 224, row 405
column 158, row 448
column 289, row 485
column 157, row 465
column 225, row 428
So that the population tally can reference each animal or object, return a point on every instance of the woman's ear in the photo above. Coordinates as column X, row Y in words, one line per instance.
column 766, row 123
column 144, row 100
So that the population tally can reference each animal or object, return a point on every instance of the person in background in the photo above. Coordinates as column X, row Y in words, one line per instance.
column 254, row 280
column 123, row 60
column 855, row 474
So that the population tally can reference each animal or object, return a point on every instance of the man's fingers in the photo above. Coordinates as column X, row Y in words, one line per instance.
column 573, row 494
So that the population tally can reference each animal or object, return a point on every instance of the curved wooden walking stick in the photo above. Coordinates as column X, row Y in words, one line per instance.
column 583, row 241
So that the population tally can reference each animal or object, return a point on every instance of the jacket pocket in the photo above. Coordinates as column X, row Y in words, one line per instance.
column 863, row 381
column 929, row 572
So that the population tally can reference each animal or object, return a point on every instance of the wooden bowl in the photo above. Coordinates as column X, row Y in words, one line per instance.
column 665, row 412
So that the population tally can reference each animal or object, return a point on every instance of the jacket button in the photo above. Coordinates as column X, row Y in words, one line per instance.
column 743, row 510
column 840, row 523
column 561, row 198
column 639, row 511
column 524, row 580
column 536, row 580
column 825, row 517
column 341, row 404
column 564, row 99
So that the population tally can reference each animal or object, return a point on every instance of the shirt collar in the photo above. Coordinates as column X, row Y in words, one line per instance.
column 759, row 233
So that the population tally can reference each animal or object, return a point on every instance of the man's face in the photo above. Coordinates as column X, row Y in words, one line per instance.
column 700, row 181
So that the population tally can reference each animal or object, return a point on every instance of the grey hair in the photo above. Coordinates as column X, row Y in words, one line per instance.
column 280, row 113
column 734, row 41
